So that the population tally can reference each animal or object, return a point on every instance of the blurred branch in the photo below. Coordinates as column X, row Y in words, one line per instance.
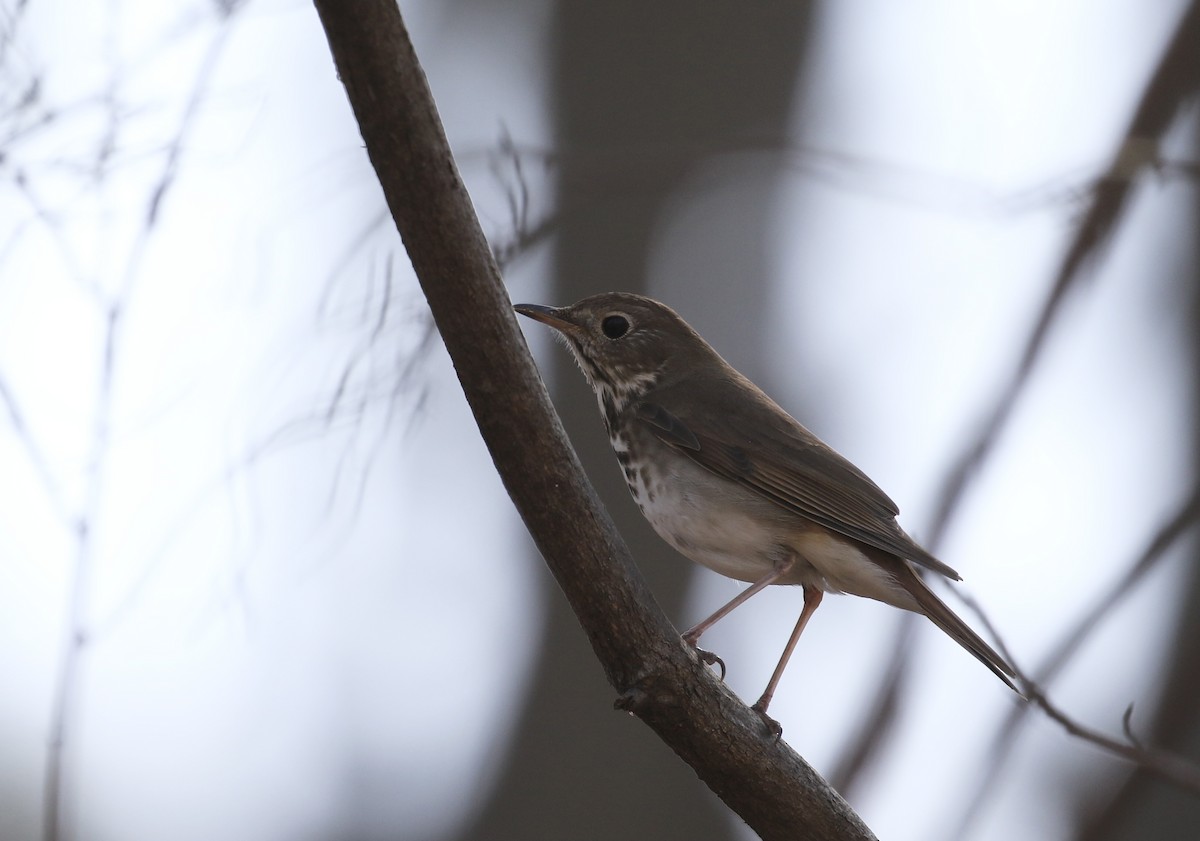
column 863, row 175
column 208, row 67
column 1167, row 766
column 1174, row 83
column 177, row 144
column 111, row 311
column 879, row 722
column 34, row 451
column 508, row 169
column 1136, row 153
column 660, row 681
column 1068, row 646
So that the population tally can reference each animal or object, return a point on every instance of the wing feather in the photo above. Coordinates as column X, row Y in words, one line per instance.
column 790, row 466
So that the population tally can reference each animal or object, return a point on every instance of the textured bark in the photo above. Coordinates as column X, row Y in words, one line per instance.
column 657, row 678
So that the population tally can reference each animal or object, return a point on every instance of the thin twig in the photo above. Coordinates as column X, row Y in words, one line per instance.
column 523, row 235
column 1127, row 728
column 66, row 692
column 34, row 452
column 1167, row 766
column 1004, row 742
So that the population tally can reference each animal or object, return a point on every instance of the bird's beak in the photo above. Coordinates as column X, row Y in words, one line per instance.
column 549, row 316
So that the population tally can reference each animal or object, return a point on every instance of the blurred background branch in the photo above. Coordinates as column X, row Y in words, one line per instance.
column 1172, row 86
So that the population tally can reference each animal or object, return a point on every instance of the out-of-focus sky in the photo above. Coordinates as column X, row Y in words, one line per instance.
column 301, row 616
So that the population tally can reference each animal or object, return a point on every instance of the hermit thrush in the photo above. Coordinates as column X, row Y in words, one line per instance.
column 733, row 482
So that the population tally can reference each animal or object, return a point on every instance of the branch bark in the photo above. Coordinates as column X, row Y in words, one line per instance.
column 659, row 680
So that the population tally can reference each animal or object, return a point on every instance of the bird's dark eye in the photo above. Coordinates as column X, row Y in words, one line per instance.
column 615, row 326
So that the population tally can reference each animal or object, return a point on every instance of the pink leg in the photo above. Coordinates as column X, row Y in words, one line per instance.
column 812, row 598
column 692, row 637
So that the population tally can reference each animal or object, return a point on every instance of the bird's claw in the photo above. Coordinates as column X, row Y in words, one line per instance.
column 710, row 659
column 774, row 728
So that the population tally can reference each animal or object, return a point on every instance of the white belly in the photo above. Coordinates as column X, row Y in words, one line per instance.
column 708, row 519
column 737, row 533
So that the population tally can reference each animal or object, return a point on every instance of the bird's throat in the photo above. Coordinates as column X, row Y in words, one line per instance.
column 615, row 389
column 615, row 397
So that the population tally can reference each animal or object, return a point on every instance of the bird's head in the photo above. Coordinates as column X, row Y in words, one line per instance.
column 624, row 343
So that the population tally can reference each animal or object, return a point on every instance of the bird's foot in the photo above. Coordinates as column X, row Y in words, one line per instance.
column 707, row 657
column 774, row 728
column 690, row 639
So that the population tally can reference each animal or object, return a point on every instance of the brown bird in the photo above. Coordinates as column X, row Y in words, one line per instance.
column 733, row 482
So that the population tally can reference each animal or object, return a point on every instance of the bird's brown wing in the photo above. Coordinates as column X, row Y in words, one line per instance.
column 785, row 463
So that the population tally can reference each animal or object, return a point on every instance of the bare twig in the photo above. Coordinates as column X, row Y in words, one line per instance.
column 1167, row 766
column 66, row 692
column 1004, row 742
column 508, row 168
column 1127, row 728
column 208, row 67
column 34, row 451
column 879, row 722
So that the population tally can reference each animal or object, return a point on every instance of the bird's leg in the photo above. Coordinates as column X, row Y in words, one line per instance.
column 692, row 636
column 812, row 598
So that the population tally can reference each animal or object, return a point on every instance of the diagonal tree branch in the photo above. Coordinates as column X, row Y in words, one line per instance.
column 660, row 681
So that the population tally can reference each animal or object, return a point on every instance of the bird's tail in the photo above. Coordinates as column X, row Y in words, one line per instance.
column 948, row 621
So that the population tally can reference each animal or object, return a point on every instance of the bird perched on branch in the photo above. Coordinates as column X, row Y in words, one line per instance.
column 734, row 483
